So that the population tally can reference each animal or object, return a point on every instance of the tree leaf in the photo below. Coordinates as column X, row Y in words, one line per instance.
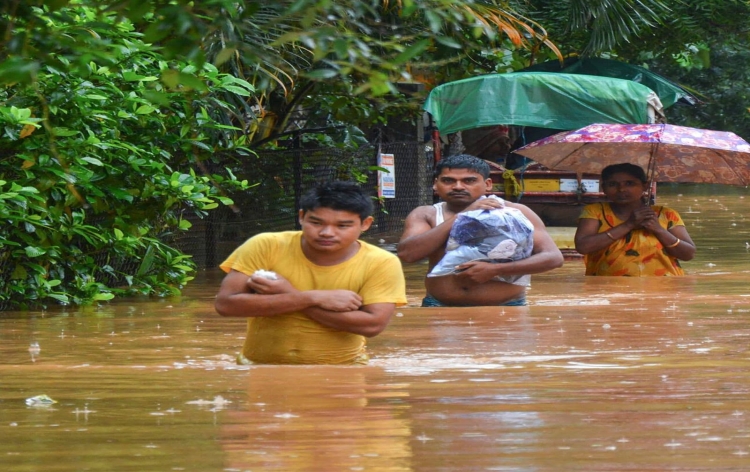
column 93, row 160
column 322, row 74
column 32, row 251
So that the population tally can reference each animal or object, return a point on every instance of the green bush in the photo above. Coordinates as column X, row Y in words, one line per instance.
column 100, row 165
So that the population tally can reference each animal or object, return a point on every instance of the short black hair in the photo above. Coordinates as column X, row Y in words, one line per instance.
column 624, row 168
column 463, row 161
column 337, row 195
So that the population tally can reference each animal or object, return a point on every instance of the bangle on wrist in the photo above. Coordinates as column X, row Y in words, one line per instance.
column 678, row 241
column 609, row 235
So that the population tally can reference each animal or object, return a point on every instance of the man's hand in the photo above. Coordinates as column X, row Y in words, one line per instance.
column 246, row 296
column 484, row 204
column 337, row 300
column 332, row 300
column 476, row 271
column 265, row 286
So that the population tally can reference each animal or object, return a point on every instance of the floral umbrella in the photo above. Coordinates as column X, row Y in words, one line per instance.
column 668, row 153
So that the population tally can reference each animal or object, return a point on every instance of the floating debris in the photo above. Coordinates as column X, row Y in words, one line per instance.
column 85, row 412
column 218, row 401
column 40, row 400
column 34, row 350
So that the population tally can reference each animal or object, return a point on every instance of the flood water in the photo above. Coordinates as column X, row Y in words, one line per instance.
column 597, row 374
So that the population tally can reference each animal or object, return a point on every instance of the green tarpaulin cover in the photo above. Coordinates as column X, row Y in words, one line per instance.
column 669, row 92
column 541, row 99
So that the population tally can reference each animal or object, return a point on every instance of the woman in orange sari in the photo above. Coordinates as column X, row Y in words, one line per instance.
column 626, row 237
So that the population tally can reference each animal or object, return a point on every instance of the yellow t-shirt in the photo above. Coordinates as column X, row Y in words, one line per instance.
column 293, row 338
column 639, row 253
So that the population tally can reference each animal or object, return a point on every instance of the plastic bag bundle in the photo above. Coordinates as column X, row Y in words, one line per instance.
column 499, row 235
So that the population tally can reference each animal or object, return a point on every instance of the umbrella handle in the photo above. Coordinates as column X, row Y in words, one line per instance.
column 651, row 173
column 650, row 197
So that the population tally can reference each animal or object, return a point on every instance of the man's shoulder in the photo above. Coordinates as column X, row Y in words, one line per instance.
column 517, row 206
column 521, row 207
column 372, row 251
column 424, row 210
column 278, row 238
column 278, row 235
column 426, row 213
column 378, row 263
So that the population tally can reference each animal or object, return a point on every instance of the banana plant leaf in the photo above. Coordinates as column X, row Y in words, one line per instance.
column 540, row 99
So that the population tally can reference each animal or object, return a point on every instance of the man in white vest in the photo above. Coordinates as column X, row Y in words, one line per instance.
column 461, row 181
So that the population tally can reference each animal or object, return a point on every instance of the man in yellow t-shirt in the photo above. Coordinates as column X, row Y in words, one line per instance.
column 331, row 290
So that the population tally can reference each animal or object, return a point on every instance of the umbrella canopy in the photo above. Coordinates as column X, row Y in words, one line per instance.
column 669, row 92
column 540, row 99
column 668, row 153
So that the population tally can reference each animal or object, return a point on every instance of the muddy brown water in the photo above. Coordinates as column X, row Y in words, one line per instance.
column 597, row 374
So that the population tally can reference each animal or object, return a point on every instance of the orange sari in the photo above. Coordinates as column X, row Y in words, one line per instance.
column 639, row 253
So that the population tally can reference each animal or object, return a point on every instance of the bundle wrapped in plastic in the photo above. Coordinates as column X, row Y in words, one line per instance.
column 498, row 235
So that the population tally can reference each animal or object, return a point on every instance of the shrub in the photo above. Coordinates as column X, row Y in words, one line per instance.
column 100, row 166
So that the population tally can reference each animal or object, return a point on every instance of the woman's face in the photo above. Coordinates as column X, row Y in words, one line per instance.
column 622, row 188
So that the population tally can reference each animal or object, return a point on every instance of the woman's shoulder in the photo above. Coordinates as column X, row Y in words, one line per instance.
column 594, row 210
column 667, row 212
column 663, row 209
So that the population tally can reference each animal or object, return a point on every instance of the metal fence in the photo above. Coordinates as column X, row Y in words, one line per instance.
column 282, row 176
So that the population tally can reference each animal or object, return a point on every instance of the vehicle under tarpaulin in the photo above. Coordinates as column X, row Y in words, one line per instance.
column 540, row 99
column 485, row 106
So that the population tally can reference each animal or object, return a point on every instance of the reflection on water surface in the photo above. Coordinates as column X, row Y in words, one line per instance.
column 596, row 374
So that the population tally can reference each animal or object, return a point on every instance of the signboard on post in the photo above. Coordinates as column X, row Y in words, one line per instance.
column 386, row 180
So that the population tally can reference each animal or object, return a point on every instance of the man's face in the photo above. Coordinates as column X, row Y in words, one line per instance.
column 461, row 185
column 328, row 231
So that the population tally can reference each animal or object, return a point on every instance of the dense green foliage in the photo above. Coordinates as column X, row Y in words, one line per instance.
column 327, row 64
column 702, row 45
column 706, row 49
column 100, row 165
column 110, row 110
column 593, row 27
column 291, row 51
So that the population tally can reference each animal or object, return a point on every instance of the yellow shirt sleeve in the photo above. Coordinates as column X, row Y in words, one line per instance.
column 254, row 254
column 385, row 281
